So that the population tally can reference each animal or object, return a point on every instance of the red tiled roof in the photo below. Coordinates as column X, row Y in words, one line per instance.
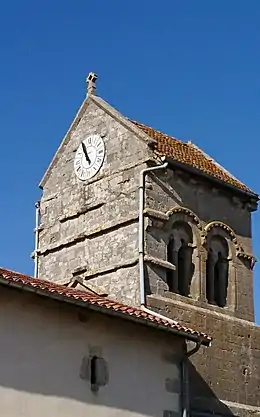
column 91, row 300
column 190, row 155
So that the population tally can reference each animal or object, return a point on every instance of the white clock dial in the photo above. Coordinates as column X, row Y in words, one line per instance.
column 89, row 157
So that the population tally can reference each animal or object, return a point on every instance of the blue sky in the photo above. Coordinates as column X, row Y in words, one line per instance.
column 190, row 68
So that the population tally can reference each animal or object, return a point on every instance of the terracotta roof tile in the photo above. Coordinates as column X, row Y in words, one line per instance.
column 189, row 154
column 105, row 305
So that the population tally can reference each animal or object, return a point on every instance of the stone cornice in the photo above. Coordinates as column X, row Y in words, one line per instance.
column 159, row 262
column 156, row 214
column 93, row 273
column 71, row 240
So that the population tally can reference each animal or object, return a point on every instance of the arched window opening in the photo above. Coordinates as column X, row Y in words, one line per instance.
column 179, row 253
column 217, row 271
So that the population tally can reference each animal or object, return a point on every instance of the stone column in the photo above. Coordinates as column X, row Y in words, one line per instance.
column 172, row 276
column 184, row 268
column 210, row 277
column 221, row 269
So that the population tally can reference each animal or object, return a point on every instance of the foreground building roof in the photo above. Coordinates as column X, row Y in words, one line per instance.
column 96, row 302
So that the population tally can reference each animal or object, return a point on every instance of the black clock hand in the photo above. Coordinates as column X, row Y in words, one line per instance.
column 85, row 152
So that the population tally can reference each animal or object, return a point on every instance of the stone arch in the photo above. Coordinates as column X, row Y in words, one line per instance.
column 186, row 212
column 238, row 249
column 185, row 215
column 227, row 229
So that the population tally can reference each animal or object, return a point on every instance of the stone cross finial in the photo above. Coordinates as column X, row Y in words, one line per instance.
column 91, row 81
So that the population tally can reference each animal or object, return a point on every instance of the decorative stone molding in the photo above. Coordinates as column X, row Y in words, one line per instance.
column 80, row 269
column 223, row 226
column 187, row 212
column 247, row 257
column 244, row 255
column 71, row 240
column 159, row 262
column 156, row 214
column 77, row 213
column 94, row 273
column 240, row 253
column 159, row 215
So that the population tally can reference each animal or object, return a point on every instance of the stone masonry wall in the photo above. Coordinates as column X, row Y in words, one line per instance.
column 229, row 370
column 174, row 188
column 90, row 229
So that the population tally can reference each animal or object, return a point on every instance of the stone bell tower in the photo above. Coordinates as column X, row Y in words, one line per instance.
column 88, row 230
column 197, row 242
column 201, row 223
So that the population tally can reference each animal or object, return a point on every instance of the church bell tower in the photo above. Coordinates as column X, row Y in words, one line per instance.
column 196, row 241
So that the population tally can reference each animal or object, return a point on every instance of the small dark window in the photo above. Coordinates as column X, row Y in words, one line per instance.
column 179, row 253
column 217, row 271
column 98, row 373
column 93, row 370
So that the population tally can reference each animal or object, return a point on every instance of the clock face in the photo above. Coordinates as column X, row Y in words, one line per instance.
column 89, row 157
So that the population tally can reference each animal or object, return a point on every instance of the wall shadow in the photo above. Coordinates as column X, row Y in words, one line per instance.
column 203, row 401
